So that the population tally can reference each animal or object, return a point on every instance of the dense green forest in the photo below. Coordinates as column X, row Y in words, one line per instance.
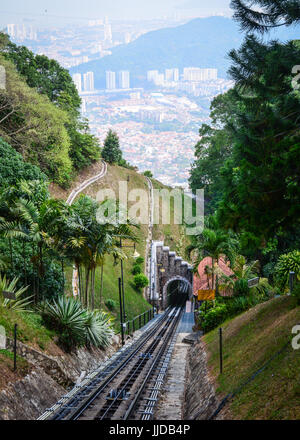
column 40, row 114
column 247, row 159
column 43, row 139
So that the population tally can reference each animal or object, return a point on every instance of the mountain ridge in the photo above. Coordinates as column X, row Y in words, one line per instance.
column 202, row 42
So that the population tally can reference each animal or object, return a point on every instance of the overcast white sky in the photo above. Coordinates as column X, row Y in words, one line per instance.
column 115, row 9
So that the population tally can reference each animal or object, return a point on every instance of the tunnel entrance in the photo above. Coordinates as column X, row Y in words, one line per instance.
column 177, row 293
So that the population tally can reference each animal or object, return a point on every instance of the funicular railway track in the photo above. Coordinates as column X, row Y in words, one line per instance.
column 129, row 388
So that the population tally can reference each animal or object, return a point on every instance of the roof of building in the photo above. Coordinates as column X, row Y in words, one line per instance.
column 200, row 281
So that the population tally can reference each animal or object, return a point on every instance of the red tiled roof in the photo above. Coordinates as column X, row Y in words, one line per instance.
column 200, row 280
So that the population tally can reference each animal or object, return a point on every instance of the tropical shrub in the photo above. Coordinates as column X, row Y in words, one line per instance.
column 226, row 308
column 136, row 269
column 241, row 287
column 214, row 317
column 264, row 290
column 98, row 326
column 21, row 303
column 24, row 267
column 75, row 325
column 139, row 260
column 140, row 281
column 242, row 272
column 110, row 304
column 13, row 167
column 285, row 264
column 65, row 316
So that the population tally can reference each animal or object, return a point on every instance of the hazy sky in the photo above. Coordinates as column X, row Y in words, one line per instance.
column 116, row 9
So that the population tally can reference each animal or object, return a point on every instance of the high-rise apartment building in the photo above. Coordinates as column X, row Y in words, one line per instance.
column 176, row 74
column 151, row 75
column 197, row 74
column 77, row 81
column 124, row 79
column 169, row 74
column 159, row 79
column 88, row 81
column 107, row 33
column 172, row 74
column 20, row 32
column 11, row 30
column 110, row 80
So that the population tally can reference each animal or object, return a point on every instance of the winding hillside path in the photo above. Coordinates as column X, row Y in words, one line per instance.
column 70, row 200
column 75, row 192
column 87, row 183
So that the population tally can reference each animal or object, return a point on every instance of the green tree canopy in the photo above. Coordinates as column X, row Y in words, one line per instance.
column 46, row 79
column 13, row 168
column 262, row 15
column 44, row 74
column 111, row 151
column 35, row 127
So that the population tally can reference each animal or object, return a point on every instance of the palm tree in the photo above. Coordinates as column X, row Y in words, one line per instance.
column 86, row 242
column 33, row 219
column 214, row 244
column 242, row 272
column 103, row 240
column 21, row 211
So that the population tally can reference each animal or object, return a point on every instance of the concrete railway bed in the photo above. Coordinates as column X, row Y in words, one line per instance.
column 128, row 387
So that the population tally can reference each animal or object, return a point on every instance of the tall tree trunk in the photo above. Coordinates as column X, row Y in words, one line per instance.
column 87, row 280
column 63, row 274
column 80, row 285
column 208, row 281
column 93, row 273
column 101, row 285
column 217, row 280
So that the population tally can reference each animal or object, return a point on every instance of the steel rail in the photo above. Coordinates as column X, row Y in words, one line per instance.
column 142, row 364
column 153, row 367
column 76, row 411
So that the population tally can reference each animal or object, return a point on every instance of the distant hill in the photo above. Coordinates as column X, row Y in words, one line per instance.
column 202, row 42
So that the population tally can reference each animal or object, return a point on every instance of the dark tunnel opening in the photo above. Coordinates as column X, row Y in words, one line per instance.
column 178, row 293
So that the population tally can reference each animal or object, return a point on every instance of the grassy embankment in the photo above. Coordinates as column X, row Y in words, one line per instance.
column 173, row 235
column 250, row 340
column 31, row 332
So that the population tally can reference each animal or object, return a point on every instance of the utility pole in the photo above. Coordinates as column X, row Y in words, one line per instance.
column 121, row 311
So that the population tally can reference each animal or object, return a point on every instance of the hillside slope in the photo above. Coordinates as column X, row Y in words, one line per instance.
column 250, row 340
column 173, row 235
